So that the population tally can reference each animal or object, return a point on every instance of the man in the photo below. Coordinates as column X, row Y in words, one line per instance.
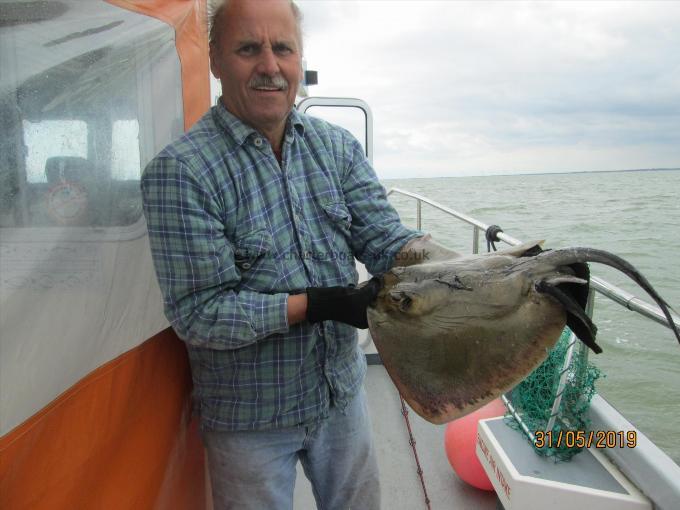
column 254, row 217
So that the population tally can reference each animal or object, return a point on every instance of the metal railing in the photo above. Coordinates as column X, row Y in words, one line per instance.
column 605, row 288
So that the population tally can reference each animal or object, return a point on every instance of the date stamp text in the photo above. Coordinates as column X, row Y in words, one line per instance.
column 586, row 439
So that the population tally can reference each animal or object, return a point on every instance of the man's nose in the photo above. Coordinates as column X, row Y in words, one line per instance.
column 268, row 63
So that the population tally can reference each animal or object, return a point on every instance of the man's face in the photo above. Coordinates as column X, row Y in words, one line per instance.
column 257, row 57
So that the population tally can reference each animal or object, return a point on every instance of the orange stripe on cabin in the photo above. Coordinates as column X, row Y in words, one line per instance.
column 121, row 438
column 189, row 19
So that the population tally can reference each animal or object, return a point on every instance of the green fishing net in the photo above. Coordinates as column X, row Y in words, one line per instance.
column 533, row 399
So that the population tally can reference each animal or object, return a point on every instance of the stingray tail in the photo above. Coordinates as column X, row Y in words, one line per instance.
column 570, row 256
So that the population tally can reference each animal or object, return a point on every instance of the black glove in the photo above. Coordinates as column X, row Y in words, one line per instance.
column 342, row 304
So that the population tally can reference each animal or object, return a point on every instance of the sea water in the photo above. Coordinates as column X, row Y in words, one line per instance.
column 635, row 215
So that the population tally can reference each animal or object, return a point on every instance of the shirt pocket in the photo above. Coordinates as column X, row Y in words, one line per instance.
column 339, row 216
column 340, row 264
column 253, row 258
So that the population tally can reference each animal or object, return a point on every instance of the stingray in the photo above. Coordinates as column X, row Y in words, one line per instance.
column 455, row 332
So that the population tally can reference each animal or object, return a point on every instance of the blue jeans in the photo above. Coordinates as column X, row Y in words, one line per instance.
column 256, row 469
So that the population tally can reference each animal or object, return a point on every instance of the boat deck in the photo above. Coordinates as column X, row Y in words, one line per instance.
column 400, row 484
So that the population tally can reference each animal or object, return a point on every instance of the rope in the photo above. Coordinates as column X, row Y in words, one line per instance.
column 412, row 442
column 492, row 237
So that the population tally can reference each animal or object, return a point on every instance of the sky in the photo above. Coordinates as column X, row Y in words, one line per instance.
column 483, row 88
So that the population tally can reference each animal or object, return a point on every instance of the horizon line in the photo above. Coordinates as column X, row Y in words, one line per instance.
column 559, row 172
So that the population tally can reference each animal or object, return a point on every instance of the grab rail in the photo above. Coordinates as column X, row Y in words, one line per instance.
column 605, row 288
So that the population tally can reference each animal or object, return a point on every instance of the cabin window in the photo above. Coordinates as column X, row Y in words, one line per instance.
column 351, row 118
column 52, row 138
column 89, row 93
column 125, row 164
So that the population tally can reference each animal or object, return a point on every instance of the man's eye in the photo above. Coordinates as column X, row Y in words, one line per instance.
column 248, row 49
column 282, row 49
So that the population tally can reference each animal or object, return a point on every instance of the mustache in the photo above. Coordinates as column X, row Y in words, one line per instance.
column 264, row 80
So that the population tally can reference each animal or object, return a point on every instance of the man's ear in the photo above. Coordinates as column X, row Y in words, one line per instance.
column 212, row 55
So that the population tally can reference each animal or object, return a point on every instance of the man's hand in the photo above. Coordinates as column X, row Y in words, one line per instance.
column 342, row 304
column 423, row 249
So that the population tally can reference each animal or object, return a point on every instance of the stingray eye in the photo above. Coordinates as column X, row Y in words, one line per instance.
column 401, row 300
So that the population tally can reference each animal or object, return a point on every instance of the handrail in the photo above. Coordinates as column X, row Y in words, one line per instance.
column 464, row 217
column 605, row 288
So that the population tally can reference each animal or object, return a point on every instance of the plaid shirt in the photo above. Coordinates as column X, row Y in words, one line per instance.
column 232, row 233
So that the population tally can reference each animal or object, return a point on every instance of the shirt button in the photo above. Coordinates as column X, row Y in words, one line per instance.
column 258, row 142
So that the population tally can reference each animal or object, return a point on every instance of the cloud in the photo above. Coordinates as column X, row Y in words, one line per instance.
column 478, row 87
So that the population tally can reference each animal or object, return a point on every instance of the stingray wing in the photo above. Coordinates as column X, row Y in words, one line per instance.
column 445, row 370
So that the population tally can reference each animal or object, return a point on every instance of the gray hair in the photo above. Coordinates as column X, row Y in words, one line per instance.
column 217, row 8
